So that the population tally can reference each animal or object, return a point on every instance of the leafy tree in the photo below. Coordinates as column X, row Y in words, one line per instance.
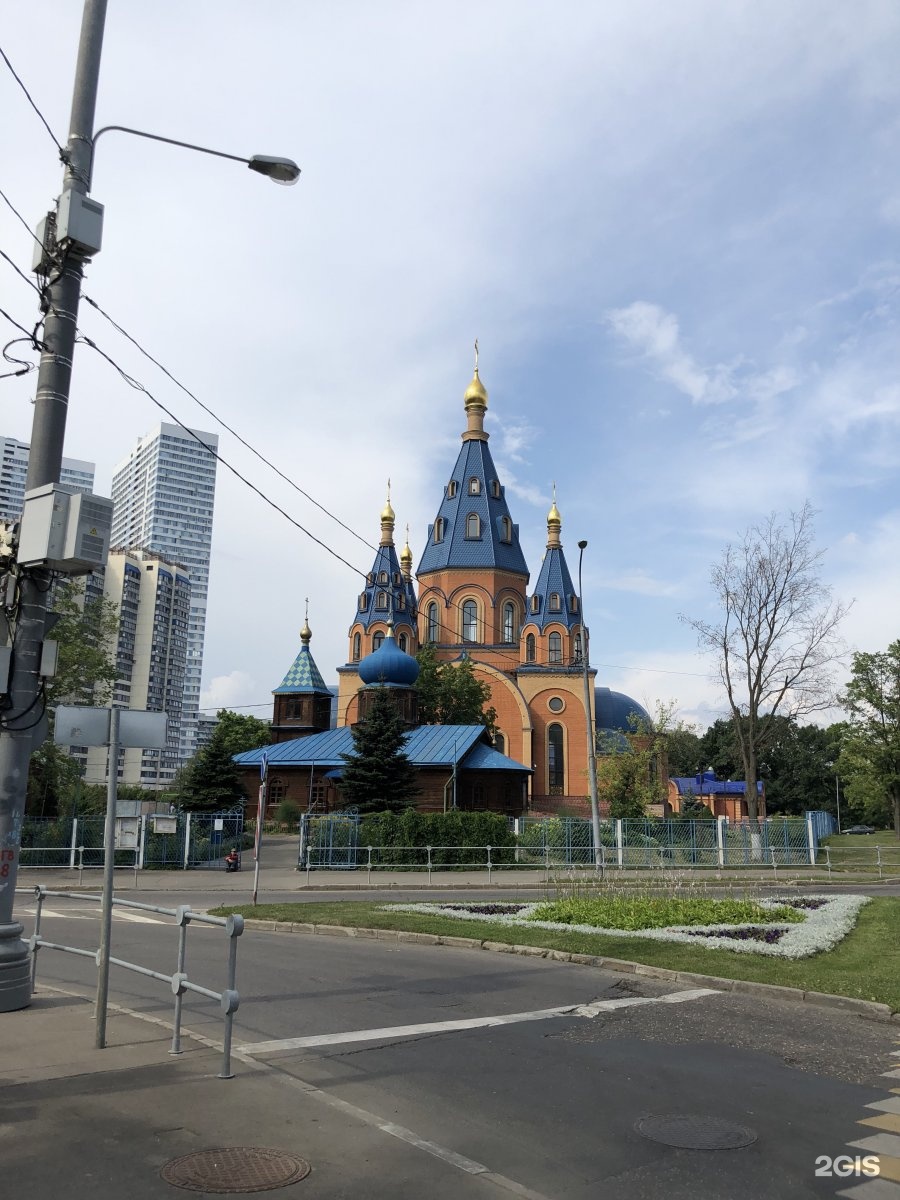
column 628, row 770
column 378, row 776
column 86, row 632
column 775, row 643
column 799, row 767
column 683, row 748
column 871, row 752
column 450, row 694
column 719, row 751
column 211, row 779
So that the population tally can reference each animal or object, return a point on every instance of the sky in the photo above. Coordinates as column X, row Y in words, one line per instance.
column 673, row 229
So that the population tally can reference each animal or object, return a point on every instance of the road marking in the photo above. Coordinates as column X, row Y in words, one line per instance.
column 872, row 1189
column 889, row 1106
column 391, row 1033
column 889, row 1121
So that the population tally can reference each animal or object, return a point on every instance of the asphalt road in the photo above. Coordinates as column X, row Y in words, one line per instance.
column 550, row 1102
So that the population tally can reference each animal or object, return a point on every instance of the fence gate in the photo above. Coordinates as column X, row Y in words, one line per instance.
column 329, row 841
column 212, row 836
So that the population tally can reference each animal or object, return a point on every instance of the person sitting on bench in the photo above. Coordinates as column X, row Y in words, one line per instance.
column 232, row 860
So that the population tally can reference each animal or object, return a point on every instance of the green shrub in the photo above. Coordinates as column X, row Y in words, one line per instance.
column 657, row 912
column 456, row 838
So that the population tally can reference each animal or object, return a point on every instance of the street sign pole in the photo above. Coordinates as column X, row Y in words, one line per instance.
column 260, row 817
column 109, row 862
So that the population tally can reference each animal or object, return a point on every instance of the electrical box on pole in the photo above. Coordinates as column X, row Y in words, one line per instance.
column 79, row 223
column 64, row 530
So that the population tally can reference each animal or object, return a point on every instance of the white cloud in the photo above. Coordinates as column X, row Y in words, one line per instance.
column 652, row 332
column 230, row 691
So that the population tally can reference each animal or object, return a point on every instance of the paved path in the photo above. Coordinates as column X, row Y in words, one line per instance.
column 404, row 1070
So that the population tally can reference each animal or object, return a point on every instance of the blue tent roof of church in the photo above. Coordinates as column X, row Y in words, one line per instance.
column 425, row 746
column 554, row 577
column 304, row 676
column 396, row 593
column 710, row 786
column 488, row 550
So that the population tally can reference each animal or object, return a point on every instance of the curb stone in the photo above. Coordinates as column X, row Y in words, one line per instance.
column 868, row 1009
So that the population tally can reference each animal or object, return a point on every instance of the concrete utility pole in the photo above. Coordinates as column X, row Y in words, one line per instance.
column 591, row 741
column 25, row 725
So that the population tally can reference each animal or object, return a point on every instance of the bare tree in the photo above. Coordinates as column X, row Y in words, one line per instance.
column 776, row 642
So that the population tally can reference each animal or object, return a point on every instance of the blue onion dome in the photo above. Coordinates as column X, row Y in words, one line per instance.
column 389, row 665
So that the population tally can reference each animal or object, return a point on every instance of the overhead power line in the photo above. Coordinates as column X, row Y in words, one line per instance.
column 30, row 100
column 224, row 424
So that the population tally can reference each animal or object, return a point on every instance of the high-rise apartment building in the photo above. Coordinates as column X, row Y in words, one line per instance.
column 163, row 495
column 153, row 599
column 14, row 468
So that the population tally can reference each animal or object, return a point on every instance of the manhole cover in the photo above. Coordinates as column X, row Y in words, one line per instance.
column 696, row 1133
column 235, row 1169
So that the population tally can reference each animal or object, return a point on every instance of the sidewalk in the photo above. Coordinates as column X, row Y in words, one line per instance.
column 76, row 1121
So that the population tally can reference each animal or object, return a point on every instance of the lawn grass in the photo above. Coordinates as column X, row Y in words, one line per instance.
column 865, row 965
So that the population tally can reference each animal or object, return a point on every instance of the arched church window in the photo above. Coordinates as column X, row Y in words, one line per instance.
column 499, row 742
column 397, row 579
column 573, row 604
column 554, row 602
column 506, row 530
column 431, row 634
column 509, row 622
column 370, row 578
column 473, row 526
column 556, row 767
column 535, row 604
column 555, row 647
column 357, row 647
column 439, row 529
column 382, row 576
column 400, row 603
column 363, row 601
column 529, row 648
column 451, row 489
column 495, row 488
column 578, row 647
column 474, row 486
column 381, row 600
column 402, row 642
column 377, row 639
column 470, row 621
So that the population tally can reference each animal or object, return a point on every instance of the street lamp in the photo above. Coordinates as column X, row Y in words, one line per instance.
column 68, row 238
column 279, row 170
column 591, row 744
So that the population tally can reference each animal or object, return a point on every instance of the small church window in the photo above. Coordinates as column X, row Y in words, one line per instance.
column 529, row 648
column 474, row 486
column 469, row 621
column 578, row 647
column 535, row 604
column 381, row 600
column 509, row 622
column 382, row 576
column 573, row 604
column 555, row 647
column 397, row 579
column 439, row 529
column 357, row 647
column 495, row 488
column 473, row 526
column 432, row 632
column 377, row 639
column 554, row 602
column 370, row 578
column 363, row 601
column 402, row 642
column 556, row 769
column 506, row 526
column 400, row 604
column 451, row 489
column 499, row 742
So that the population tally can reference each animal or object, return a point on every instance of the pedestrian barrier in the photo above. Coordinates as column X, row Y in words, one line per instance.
column 228, row 999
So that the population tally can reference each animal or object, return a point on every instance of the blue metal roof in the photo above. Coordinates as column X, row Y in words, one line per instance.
column 426, row 746
column 487, row 550
column 554, row 578
column 304, row 675
column 389, row 665
column 487, row 758
column 708, row 785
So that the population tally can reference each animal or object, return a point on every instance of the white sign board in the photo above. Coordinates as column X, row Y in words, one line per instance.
column 127, row 833
column 164, row 824
column 218, row 824
column 77, row 726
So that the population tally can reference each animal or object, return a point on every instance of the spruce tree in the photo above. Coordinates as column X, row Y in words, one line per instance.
column 378, row 777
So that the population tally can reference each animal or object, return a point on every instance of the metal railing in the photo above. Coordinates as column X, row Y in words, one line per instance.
column 228, row 999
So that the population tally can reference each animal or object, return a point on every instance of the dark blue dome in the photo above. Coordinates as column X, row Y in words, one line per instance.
column 389, row 666
column 615, row 708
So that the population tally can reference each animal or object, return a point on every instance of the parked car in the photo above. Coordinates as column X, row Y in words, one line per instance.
column 860, row 829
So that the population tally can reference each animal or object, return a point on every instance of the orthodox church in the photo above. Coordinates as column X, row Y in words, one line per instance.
column 468, row 598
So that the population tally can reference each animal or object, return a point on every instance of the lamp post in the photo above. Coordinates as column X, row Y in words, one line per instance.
column 837, row 800
column 69, row 237
column 589, row 725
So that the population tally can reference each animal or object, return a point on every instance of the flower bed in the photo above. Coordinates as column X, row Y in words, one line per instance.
column 826, row 920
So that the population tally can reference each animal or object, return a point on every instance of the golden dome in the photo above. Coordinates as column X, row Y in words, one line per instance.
column 387, row 513
column 305, row 632
column 406, row 554
column 553, row 515
column 476, row 392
